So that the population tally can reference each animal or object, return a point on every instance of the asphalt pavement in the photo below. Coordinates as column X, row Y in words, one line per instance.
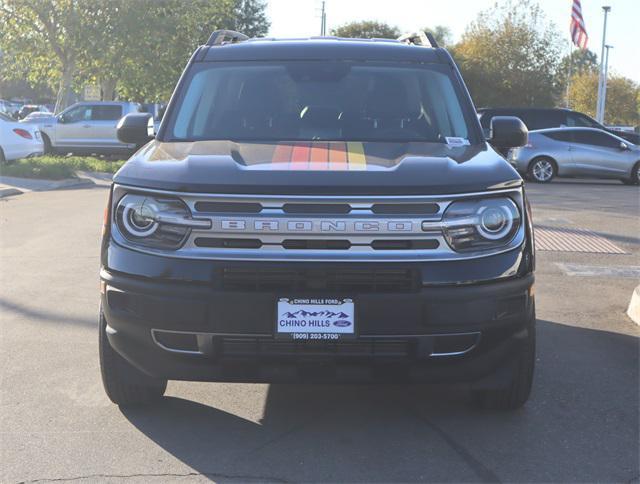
column 56, row 424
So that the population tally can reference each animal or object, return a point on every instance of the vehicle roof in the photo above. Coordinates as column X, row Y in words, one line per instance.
column 321, row 48
column 578, row 128
column 569, row 128
column 107, row 103
column 482, row 110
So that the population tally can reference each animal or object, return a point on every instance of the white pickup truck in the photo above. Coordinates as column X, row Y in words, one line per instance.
column 86, row 128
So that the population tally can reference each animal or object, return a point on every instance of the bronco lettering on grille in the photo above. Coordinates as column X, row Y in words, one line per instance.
column 318, row 226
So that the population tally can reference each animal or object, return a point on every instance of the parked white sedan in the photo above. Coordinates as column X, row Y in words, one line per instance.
column 18, row 140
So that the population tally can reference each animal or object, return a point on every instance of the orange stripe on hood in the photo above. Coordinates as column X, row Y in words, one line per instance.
column 319, row 156
column 282, row 153
column 338, row 156
column 300, row 156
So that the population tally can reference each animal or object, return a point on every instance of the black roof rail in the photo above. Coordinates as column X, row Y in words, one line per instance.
column 220, row 37
column 419, row 38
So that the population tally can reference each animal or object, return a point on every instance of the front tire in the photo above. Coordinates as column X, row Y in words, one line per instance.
column 634, row 178
column 123, row 383
column 518, row 388
column 542, row 170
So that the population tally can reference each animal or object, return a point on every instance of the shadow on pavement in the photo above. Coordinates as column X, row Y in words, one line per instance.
column 48, row 316
column 580, row 425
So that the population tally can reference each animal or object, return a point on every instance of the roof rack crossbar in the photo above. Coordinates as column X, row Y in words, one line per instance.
column 419, row 38
column 220, row 37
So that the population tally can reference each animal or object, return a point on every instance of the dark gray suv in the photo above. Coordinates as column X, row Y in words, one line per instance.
column 318, row 210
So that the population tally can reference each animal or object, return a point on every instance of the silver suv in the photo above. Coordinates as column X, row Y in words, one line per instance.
column 86, row 128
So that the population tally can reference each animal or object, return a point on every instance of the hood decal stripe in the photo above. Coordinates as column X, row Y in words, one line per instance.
column 300, row 157
column 321, row 156
column 338, row 156
column 282, row 154
column 357, row 160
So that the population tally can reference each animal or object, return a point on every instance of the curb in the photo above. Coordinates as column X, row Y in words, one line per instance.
column 9, row 192
column 634, row 306
column 69, row 183
column 23, row 185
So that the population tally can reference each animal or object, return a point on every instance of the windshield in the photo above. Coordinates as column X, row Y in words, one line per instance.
column 328, row 100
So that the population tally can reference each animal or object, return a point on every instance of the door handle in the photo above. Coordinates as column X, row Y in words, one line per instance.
column 86, row 125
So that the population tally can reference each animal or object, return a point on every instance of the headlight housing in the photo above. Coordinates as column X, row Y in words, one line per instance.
column 156, row 222
column 481, row 224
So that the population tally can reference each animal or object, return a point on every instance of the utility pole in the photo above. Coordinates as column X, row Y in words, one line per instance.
column 602, row 79
column 323, row 21
column 604, row 85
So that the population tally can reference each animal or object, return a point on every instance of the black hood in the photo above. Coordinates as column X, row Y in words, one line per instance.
column 318, row 168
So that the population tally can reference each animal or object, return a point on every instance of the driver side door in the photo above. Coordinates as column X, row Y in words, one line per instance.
column 73, row 128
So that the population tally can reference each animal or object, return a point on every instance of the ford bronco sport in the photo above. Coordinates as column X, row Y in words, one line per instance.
column 321, row 210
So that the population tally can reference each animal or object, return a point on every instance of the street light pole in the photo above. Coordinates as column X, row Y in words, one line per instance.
column 602, row 80
column 323, row 21
column 604, row 85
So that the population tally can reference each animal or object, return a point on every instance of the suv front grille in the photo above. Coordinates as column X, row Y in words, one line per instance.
column 317, row 228
column 338, row 280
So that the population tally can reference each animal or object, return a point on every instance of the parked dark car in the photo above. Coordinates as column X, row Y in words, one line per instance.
column 27, row 109
column 543, row 118
column 316, row 211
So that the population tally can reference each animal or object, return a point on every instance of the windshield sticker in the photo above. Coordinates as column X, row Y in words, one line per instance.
column 456, row 141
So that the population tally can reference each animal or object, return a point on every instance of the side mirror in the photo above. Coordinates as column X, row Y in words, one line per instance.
column 136, row 128
column 624, row 146
column 508, row 132
column 62, row 119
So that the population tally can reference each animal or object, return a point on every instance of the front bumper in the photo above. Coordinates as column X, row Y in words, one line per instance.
column 217, row 323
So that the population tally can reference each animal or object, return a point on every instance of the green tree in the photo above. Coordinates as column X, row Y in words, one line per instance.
column 441, row 33
column 41, row 41
column 509, row 56
column 115, row 27
column 622, row 98
column 367, row 29
column 250, row 18
column 168, row 33
column 135, row 49
column 578, row 62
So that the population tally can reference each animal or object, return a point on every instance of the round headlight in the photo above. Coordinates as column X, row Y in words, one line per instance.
column 139, row 219
column 481, row 224
column 153, row 221
column 495, row 222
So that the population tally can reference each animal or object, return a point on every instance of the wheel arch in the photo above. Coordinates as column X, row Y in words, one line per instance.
column 46, row 141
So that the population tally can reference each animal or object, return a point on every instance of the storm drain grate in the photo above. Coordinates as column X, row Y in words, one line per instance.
column 574, row 240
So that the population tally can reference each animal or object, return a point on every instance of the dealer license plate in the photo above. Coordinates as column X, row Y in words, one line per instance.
column 315, row 318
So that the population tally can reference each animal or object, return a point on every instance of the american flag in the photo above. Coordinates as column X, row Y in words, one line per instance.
column 578, row 30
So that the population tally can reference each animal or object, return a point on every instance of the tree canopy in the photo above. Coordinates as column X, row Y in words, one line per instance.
column 135, row 48
column 367, row 29
column 509, row 56
column 622, row 98
column 442, row 34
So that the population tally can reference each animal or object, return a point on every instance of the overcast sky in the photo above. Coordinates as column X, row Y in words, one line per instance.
column 291, row 18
